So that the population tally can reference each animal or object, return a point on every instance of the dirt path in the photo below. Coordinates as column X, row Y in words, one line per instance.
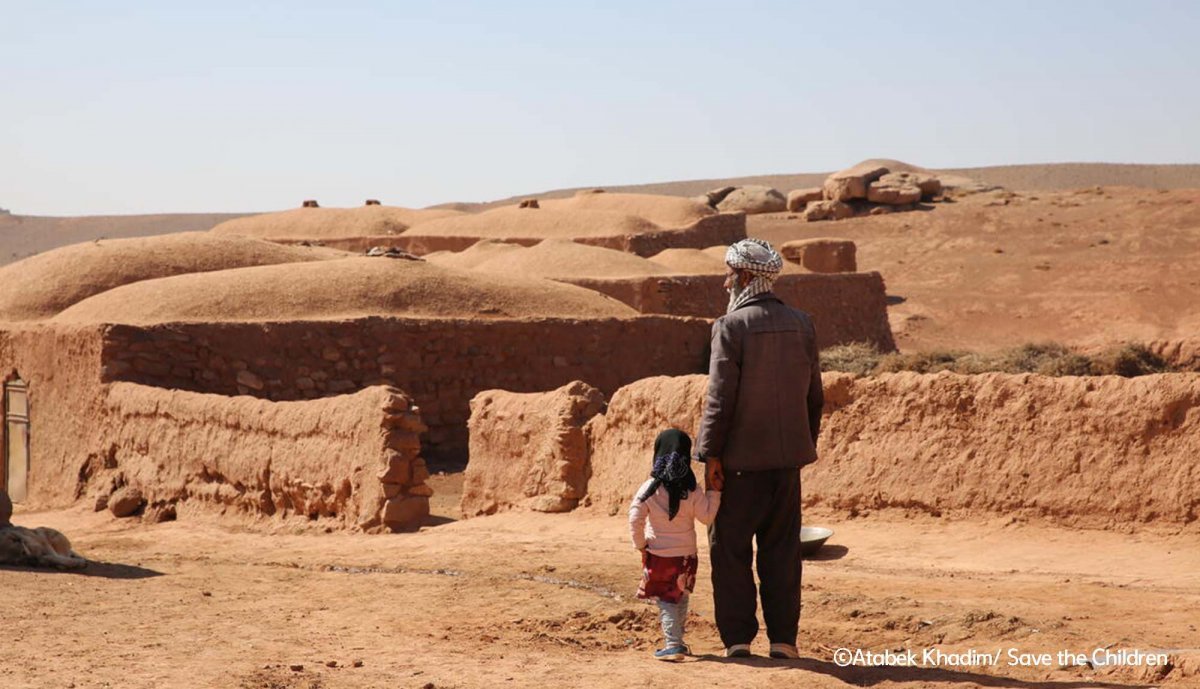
column 525, row 600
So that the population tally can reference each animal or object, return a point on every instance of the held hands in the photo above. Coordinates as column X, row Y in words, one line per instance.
column 714, row 475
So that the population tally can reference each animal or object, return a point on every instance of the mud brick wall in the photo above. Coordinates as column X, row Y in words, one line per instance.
column 1090, row 451
column 441, row 363
column 847, row 307
column 61, row 365
column 350, row 461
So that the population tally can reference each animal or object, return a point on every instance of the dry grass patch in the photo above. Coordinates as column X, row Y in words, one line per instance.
column 1047, row 358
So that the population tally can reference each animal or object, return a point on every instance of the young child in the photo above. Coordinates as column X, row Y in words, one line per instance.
column 660, row 522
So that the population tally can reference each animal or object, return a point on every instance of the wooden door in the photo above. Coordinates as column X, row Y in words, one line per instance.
column 16, row 439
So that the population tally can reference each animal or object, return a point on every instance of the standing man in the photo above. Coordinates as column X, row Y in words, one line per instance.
column 761, row 417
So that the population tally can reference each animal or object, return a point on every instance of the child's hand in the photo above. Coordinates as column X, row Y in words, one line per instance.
column 714, row 474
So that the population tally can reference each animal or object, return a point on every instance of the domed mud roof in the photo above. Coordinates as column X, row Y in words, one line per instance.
column 43, row 285
column 563, row 258
column 341, row 289
column 329, row 223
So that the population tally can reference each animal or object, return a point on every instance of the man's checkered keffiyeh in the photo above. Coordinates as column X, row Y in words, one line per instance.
column 756, row 257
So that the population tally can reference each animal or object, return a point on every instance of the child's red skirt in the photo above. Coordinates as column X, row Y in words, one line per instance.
column 667, row 578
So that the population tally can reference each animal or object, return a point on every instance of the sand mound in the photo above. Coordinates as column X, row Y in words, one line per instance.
column 562, row 258
column 347, row 288
column 326, row 223
column 483, row 250
column 665, row 211
column 44, row 285
column 584, row 215
column 511, row 222
column 691, row 261
column 891, row 165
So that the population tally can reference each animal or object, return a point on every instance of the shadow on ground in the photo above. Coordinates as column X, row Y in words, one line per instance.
column 871, row 676
column 107, row 570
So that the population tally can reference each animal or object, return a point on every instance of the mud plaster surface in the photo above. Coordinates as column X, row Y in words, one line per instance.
column 535, row 600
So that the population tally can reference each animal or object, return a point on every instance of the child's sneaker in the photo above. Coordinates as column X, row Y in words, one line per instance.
column 671, row 653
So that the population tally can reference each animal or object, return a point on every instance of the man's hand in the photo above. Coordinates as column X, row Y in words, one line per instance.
column 714, row 475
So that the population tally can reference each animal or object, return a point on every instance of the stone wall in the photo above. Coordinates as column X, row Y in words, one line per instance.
column 847, row 307
column 724, row 228
column 442, row 364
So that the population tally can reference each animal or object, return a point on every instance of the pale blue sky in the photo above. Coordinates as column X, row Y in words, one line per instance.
column 128, row 107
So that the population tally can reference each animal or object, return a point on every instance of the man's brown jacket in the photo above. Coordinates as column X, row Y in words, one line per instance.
column 763, row 407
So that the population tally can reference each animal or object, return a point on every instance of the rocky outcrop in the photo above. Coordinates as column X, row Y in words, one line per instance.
column 869, row 188
column 798, row 199
column 893, row 192
column 529, row 450
column 822, row 255
column 828, row 210
column 852, row 183
column 753, row 199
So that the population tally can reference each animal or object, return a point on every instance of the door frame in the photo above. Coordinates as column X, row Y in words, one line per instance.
column 5, row 459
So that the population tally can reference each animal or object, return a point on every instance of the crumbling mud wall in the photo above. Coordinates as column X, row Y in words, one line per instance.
column 1085, row 451
column 351, row 460
column 845, row 308
column 61, row 366
column 529, row 450
column 1092, row 451
column 1182, row 354
column 622, row 439
column 441, row 363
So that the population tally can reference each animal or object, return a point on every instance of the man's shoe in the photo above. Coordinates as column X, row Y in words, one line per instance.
column 784, row 651
column 738, row 651
column 671, row 653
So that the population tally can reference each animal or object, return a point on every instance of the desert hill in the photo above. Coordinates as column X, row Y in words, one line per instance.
column 26, row 235
column 1040, row 177
column 1085, row 268
column 22, row 236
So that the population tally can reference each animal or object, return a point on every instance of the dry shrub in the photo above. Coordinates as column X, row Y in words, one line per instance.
column 920, row 362
column 1129, row 361
column 1045, row 358
column 859, row 358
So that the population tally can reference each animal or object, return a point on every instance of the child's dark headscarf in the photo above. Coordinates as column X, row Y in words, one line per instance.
column 672, row 468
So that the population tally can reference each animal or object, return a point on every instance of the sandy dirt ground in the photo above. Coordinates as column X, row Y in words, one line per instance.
column 1088, row 268
column 525, row 600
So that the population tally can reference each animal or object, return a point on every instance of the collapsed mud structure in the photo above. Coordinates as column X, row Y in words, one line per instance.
column 1100, row 452
column 637, row 223
column 846, row 307
column 227, row 372
column 872, row 187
